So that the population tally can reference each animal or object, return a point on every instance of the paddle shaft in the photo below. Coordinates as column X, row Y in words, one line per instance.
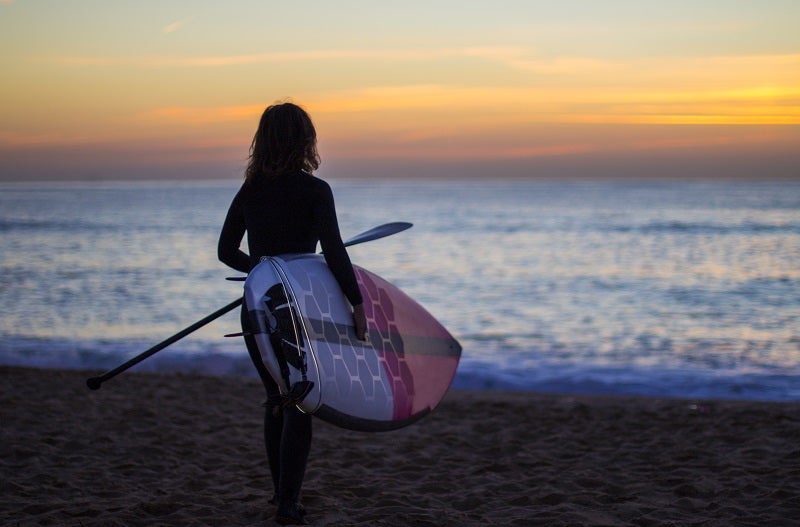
column 94, row 383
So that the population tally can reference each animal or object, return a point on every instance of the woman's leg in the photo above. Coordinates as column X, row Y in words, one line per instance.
column 273, row 421
column 295, row 446
column 287, row 433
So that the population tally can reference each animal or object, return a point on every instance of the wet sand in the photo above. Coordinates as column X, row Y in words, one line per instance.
column 173, row 450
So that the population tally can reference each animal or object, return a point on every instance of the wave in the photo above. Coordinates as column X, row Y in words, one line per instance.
column 72, row 226
column 680, row 227
column 649, row 382
column 546, row 377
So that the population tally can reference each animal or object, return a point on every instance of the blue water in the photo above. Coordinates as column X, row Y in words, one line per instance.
column 656, row 288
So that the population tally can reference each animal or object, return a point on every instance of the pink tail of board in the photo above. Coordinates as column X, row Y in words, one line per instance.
column 413, row 344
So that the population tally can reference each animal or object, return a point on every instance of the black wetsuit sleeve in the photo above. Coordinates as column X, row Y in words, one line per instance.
column 231, row 238
column 332, row 246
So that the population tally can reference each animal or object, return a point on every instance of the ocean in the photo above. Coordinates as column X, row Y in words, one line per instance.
column 660, row 288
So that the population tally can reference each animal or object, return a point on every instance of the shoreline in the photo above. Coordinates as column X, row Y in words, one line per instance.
column 175, row 449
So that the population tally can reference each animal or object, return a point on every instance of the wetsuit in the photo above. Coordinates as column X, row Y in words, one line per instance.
column 289, row 214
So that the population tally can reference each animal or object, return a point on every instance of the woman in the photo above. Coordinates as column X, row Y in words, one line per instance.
column 283, row 209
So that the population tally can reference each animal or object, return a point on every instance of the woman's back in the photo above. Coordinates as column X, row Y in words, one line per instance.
column 284, row 214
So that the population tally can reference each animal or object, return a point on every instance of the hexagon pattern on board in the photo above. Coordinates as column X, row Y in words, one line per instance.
column 382, row 322
column 376, row 369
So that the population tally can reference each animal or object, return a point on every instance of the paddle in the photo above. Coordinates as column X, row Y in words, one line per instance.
column 376, row 233
column 94, row 383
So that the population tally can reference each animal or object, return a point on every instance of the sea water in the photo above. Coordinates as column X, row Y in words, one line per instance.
column 666, row 288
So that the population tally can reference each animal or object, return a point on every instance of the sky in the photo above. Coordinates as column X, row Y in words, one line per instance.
column 100, row 89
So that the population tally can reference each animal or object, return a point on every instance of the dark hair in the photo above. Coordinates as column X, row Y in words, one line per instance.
column 285, row 142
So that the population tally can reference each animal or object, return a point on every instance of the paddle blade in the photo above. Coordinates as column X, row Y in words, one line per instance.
column 376, row 233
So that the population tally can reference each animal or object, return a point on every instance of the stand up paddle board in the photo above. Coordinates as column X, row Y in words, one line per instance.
column 303, row 325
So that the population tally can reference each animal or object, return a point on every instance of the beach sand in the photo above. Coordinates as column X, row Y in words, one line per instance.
column 172, row 450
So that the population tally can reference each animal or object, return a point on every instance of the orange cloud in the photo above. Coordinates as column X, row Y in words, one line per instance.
column 599, row 105
column 760, row 105
column 193, row 116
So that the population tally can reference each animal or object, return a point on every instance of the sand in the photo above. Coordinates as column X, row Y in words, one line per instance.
column 173, row 450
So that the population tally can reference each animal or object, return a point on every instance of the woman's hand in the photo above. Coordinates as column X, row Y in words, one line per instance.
column 360, row 322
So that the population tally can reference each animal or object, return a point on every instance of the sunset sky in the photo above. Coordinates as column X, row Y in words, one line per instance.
column 100, row 89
